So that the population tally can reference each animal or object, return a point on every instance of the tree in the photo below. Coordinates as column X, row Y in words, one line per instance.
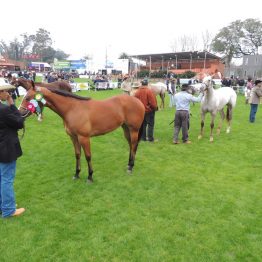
column 42, row 41
column 123, row 56
column 207, row 39
column 238, row 39
column 252, row 29
column 184, row 43
column 60, row 55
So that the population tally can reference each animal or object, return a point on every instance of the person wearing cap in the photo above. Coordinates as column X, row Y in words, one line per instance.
column 256, row 93
column 148, row 98
column 10, row 150
column 182, row 103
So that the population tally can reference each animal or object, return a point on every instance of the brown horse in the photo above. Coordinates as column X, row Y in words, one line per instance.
column 85, row 117
column 27, row 84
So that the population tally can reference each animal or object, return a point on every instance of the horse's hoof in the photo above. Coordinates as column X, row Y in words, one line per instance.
column 88, row 181
column 199, row 137
column 211, row 139
column 75, row 177
column 228, row 131
column 129, row 171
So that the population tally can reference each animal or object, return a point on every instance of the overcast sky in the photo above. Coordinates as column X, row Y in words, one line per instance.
column 133, row 26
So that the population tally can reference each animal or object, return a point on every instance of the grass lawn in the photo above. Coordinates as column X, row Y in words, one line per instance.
column 198, row 202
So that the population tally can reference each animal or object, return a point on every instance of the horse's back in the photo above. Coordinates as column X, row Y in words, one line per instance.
column 158, row 88
column 227, row 95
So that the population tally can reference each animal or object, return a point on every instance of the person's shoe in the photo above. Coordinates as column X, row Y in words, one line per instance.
column 188, row 142
column 18, row 212
column 153, row 141
column 176, row 142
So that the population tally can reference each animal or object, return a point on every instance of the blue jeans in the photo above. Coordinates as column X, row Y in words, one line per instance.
column 253, row 111
column 7, row 194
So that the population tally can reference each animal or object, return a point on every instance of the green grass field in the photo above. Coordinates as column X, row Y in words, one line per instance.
column 198, row 202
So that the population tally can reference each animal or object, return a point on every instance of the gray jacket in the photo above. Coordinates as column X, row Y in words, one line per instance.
column 256, row 93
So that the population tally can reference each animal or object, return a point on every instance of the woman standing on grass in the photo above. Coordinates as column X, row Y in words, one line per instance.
column 10, row 150
column 256, row 93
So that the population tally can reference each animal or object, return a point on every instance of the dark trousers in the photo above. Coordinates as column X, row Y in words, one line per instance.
column 253, row 111
column 148, row 126
column 181, row 121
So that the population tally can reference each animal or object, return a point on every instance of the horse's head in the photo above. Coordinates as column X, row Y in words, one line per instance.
column 207, row 83
column 29, row 105
column 20, row 81
column 14, row 81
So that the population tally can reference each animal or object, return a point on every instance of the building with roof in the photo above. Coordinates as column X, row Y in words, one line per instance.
column 180, row 62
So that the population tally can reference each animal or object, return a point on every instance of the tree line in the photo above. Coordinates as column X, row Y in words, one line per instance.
column 38, row 44
column 237, row 39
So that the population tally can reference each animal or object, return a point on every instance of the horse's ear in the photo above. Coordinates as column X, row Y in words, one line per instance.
column 33, row 84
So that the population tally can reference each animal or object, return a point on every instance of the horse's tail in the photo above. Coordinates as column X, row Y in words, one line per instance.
column 229, row 112
column 227, row 115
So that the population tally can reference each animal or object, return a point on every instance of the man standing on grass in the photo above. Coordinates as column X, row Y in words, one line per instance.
column 10, row 150
column 182, row 103
column 148, row 98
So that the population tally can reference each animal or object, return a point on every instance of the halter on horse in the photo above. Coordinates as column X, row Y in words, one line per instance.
column 214, row 101
column 84, row 118
column 27, row 84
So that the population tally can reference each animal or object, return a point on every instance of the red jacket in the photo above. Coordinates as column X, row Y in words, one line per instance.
column 147, row 97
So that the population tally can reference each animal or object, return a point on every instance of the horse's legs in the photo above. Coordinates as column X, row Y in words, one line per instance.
column 202, row 125
column 77, row 156
column 133, row 149
column 85, row 143
column 132, row 137
column 229, row 117
column 222, row 115
column 128, row 138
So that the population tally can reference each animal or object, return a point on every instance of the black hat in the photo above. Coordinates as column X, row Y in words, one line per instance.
column 184, row 87
column 258, row 81
column 144, row 82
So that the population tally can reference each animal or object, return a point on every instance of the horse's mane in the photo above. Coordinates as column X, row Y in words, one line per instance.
column 68, row 94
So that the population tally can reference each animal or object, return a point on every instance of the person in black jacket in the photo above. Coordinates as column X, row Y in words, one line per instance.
column 10, row 150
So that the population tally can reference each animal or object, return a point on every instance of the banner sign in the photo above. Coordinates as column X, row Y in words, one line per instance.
column 61, row 64
column 77, row 64
column 31, row 56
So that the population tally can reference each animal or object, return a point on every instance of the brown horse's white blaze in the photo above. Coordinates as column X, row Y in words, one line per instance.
column 84, row 118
